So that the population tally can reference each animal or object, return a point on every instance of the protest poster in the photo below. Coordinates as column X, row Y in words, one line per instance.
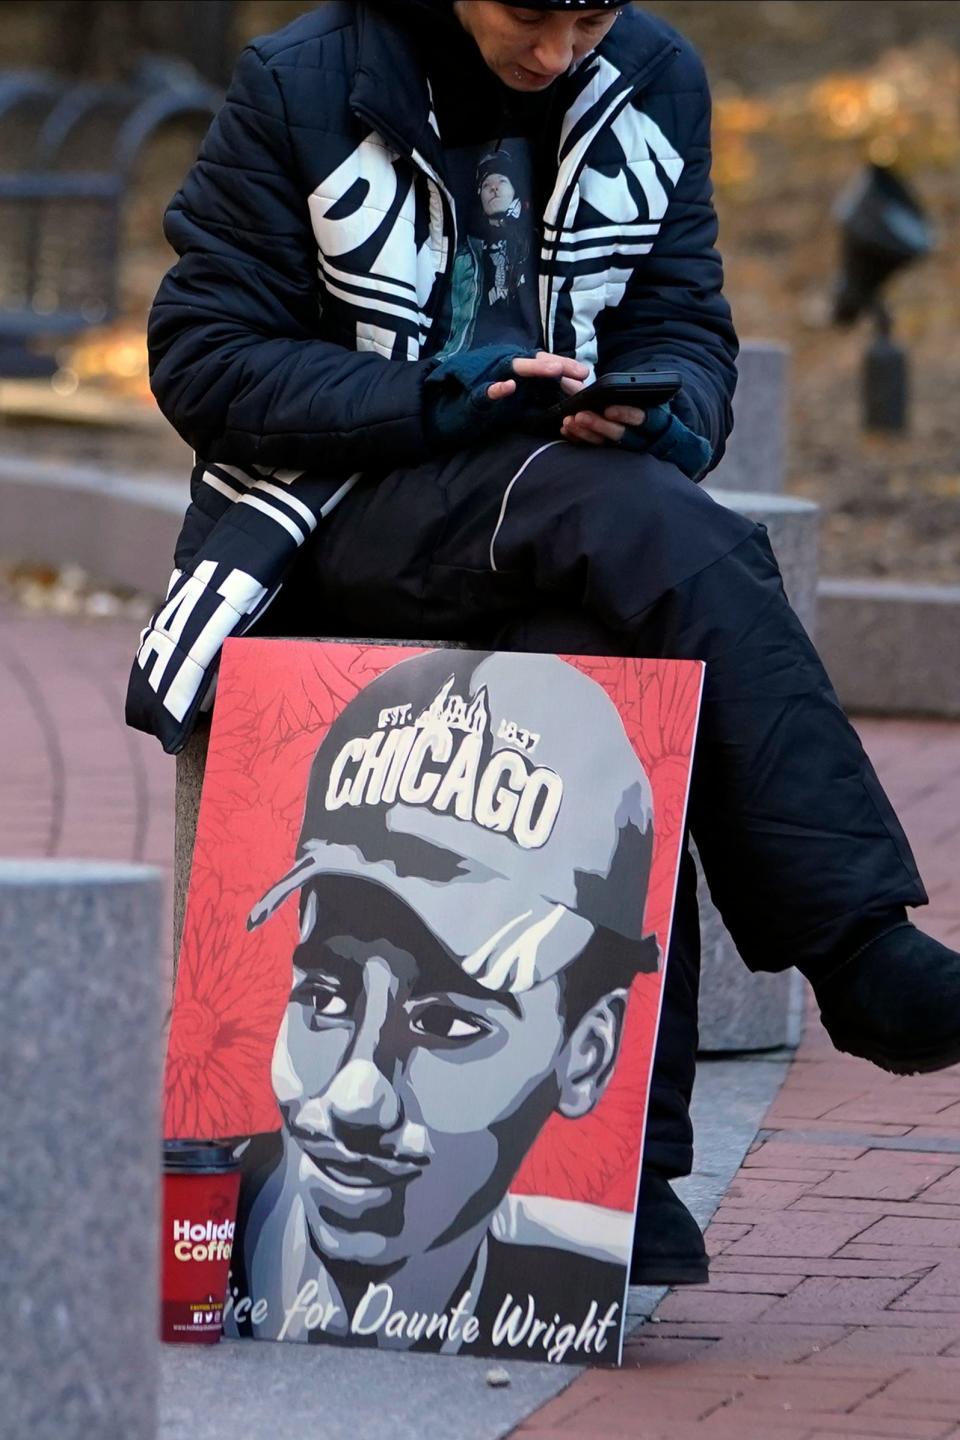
column 419, row 986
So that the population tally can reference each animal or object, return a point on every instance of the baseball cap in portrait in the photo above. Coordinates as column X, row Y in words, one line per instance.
column 498, row 797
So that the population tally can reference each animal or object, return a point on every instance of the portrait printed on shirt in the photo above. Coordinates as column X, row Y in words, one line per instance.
column 494, row 286
column 419, row 986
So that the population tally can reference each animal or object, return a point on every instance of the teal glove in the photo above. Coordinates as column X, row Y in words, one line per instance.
column 665, row 436
column 455, row 404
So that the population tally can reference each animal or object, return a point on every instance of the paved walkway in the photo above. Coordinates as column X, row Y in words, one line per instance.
column 834, row 1309
column 74, row 781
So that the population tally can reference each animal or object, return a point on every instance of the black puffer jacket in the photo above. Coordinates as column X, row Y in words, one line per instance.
column 316, row 234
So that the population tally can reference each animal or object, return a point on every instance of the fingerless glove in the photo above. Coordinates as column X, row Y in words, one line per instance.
column 664, row 435
column 456, row 409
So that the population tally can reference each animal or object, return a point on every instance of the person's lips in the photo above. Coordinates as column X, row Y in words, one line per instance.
column 535, row 77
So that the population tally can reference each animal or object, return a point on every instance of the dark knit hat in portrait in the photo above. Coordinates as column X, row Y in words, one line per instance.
column 502, row 162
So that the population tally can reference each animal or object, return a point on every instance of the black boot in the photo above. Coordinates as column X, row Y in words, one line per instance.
column 896, row 1001
column 668, row 1247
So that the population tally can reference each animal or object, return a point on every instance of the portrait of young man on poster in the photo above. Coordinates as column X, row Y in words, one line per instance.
column 471, row 877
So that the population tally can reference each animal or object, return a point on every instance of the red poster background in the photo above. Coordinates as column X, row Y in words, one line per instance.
column 275, row 702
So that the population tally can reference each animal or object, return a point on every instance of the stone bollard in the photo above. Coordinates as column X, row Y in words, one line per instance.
column 756, row 454
column 863, row 623
column 79, row 1193
column 740, row 1010
column 793, row 526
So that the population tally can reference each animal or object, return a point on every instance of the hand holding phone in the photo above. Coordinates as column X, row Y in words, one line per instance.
column 604, row 413
column 644, row 389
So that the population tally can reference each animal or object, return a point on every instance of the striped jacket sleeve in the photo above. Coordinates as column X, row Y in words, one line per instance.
column 241, row 533
column 674, row 315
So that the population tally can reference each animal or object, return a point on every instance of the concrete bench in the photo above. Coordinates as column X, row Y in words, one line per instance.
column 80, row 1076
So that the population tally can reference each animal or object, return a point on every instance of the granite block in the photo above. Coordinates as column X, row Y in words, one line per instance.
column 740, row 1010
column 756, row 454
column 79, row 1191
column 793, row 528
column 892, row 648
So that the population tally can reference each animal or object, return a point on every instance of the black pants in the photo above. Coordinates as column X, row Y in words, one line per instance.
column 525, row 546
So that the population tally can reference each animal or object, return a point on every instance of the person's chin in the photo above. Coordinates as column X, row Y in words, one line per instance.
column 352, row 1247
column 352, row 1225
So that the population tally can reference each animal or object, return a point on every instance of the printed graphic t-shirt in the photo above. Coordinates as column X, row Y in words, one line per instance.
column 493, row 294
column 500, row 149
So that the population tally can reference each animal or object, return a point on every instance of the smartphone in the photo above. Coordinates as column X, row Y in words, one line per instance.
column 643, row 388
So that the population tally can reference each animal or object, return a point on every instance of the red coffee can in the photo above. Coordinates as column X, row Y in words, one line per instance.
column 201, row 1183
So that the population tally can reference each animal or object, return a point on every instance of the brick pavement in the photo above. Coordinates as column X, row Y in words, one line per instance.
column 74, row 781
column 834, row 1311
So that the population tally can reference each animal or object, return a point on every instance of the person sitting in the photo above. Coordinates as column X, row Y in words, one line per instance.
column 366, row 467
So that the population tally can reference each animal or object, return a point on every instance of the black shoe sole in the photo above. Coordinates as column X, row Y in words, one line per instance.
column 664, row 1271
column 919, row 1062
